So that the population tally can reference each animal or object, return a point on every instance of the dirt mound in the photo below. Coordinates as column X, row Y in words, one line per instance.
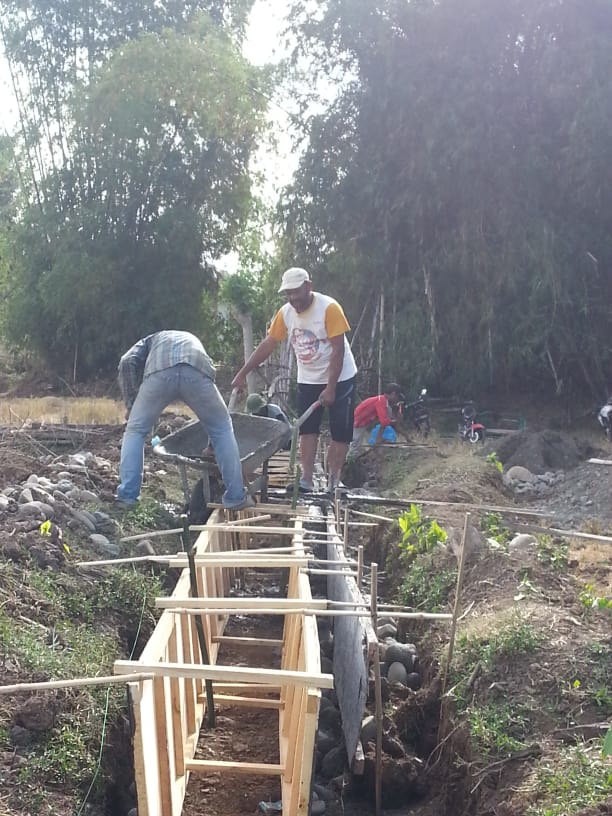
column 542, row 451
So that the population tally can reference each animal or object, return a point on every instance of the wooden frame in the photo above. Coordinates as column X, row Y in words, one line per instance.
column 169, row 705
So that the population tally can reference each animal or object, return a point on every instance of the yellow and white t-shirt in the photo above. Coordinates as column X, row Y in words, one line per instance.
column 309, row 334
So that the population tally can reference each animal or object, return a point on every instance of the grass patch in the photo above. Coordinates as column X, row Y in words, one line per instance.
column 554, row 552
column 68, row 410
column 516, row 636
column 579, row 778
column 493, row 526
column 426, row 586
column 498, row 728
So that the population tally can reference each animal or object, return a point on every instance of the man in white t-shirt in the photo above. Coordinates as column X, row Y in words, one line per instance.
column 316, row 327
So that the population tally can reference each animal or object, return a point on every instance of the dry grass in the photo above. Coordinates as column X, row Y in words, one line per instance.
column 67, row 410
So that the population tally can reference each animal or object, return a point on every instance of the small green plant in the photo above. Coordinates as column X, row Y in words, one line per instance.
column 492, row 525
column 425, row 586
column 590, row 600
column 582, row 778
column 553, row 552
column 493, row 459
column 514, row 638
column 498, row 728
column 148, row 513
column 420, row 534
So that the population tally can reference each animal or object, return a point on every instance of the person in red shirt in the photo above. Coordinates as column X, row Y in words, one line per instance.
column 373, row 410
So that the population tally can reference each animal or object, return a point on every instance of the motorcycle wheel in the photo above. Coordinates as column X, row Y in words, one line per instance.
column 474, row 436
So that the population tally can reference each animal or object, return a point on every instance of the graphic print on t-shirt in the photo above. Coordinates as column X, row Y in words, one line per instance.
column 306, row 345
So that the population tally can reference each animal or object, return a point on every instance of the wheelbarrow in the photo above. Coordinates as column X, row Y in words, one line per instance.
column 258, row 439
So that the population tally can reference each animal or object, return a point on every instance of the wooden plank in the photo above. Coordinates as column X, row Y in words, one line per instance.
column 249, row 641
column 243, row 768
column 600, row 461
column 252, row 689
column 162, row 738
column 287, row 604
column 313, row 700
column 247, row 702
column 226, row 673
column 176, row 718
column 186, row 622
column 243, row 558
column 295, row 718
column 533, row 528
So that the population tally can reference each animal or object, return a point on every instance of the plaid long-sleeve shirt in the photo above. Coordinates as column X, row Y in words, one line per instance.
column 155, row 352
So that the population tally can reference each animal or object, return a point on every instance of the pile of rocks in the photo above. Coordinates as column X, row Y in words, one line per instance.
column 521, row 480
column 61, row 500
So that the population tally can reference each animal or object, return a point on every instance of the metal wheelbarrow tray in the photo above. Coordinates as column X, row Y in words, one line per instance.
column 258, row 439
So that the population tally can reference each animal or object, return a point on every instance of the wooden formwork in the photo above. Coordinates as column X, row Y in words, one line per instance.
column 169, row 709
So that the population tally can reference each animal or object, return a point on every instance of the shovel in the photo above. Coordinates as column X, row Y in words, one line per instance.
column 294, row 443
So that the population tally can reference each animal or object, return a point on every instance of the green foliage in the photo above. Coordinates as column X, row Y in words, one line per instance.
column 465, row 186
column 498, row 728
column 116, row 238
column 494, row 460
column 492, row 525
column 419, row 533
column 554, row 552
column 590, row 600
column 580, row 780
column 426, row 586
column 515, row 637
column 607, row 744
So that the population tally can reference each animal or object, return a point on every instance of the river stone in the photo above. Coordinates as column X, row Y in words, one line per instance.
column 35, row 508
column 413, row 681
column 323, row 793
column 41, row 493
column 330, row 719
column 400, row 653
column 518, row 474
column 83, row 517
column 397, row 673
column 334, row 762
column 31, row 480
column 25, row 496
column 4, row 502
column 103, row 545
column 325, row 741
column 523, row 544
column 368, row 730
column 386, row 630
column 144, row 547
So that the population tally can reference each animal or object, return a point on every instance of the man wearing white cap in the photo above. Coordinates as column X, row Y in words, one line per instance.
column 316, row 327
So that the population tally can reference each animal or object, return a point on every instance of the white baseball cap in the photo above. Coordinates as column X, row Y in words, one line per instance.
column 294, row 278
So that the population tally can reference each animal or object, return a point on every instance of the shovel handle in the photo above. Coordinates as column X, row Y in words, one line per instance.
column 308, row 412
column 233, row 399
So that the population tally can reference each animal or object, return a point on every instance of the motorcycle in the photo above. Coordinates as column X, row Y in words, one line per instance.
column 417, row 412
column 469, row 429
column 604, row 417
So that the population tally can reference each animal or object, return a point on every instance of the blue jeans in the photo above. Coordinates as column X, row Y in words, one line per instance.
column 186, row 384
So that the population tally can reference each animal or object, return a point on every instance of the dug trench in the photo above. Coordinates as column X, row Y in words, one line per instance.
column 528, row 691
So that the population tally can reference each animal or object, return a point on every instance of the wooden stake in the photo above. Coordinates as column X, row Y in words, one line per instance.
column 77, row 682
column 345, row 532
column 451, row 644
column 360, row 565
column 193, row 582
column 377, row 696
